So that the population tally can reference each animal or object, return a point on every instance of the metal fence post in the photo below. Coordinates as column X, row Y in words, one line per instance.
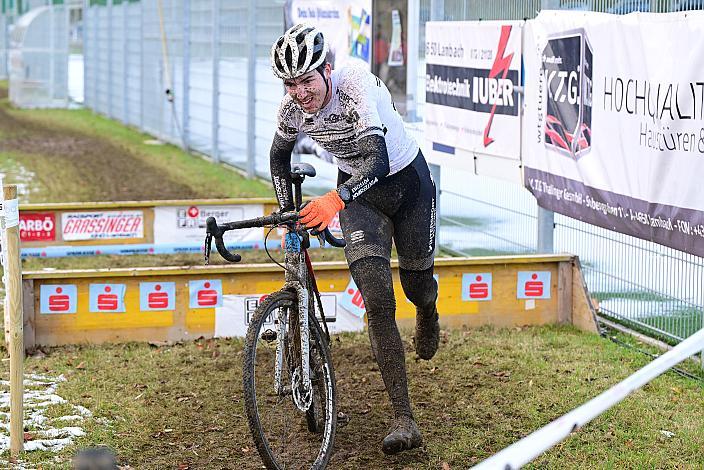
column 110, row 64
column 86, row 55
column 435, row 173
column 141, row 64
column 125, row 68
column 437, row 13
column 96, row 53
column 186, row 109
column 216, row 80
column 413, row 27
column 546, row 230
column 549, row 4
column 251, row 90
column 437, row 10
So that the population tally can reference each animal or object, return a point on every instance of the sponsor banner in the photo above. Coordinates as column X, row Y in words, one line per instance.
column 107, row 298
column 58, row 298
column 37, row 226
column 352, row 301
column 472, row 70
column 186, row 224
column 233, row 318
column 476, row 287
column 138, row 249
column 205, row 293
column 157, row 296
column 533, row 285
column 614, row 136
column 346, row 24
column 102, row 225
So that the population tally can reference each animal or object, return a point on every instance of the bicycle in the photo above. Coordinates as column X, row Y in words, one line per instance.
column 285, row 331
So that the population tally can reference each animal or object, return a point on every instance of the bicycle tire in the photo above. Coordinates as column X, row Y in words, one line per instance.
column 322, row 373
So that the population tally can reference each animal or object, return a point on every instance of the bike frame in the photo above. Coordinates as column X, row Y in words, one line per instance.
column 297, row 279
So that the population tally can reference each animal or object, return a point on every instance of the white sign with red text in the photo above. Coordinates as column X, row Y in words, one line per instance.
column 186, row 224
column 37, row 226
column 351, row 299
column 102, row 225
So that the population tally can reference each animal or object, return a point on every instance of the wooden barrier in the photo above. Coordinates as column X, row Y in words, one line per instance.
column 172, row 304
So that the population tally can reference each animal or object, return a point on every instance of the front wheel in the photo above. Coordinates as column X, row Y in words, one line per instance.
column 285, row 436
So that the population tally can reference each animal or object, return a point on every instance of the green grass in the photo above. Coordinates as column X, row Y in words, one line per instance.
column 483, row 252
column 643, row 296
column 485, row 389
column 464, row 221
column 683, row 322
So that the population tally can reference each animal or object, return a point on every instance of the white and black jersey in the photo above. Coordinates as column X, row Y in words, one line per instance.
column 360, row 105
column 359, row 126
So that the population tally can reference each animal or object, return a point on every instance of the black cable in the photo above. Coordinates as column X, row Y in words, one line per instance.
column 683, row 373
column 266, row 249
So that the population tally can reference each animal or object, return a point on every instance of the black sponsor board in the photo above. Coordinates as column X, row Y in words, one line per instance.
column 566, row 69
column 471, row 89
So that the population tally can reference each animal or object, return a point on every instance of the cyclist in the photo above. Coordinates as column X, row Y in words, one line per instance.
column 384, row 192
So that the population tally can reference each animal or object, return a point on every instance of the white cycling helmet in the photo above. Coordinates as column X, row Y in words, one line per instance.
column 301, row 49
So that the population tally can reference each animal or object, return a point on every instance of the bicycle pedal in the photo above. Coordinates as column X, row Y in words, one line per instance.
column 343, row 419
column 269, row 335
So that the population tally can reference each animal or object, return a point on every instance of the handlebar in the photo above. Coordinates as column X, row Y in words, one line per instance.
column 213, row 230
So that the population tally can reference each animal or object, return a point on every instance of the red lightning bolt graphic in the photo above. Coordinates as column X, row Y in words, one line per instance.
column 501, row 64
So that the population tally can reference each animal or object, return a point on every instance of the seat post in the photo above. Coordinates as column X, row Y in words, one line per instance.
column 297, row 192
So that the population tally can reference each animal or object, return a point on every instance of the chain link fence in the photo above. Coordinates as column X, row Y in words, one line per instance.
column 191, row 72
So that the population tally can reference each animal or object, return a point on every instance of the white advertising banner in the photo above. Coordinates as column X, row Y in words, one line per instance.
column 472, row 105
column 233, row 317
column 186, row 224
column 101, row 225
column 346, row 24
column 614, row 122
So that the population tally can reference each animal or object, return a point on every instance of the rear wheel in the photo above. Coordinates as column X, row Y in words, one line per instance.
column 285, row 436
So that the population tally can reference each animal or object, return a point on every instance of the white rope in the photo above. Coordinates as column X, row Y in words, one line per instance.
column 170, row 95
column 535, row 444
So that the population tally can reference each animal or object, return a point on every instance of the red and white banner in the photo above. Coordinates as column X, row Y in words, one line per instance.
column 37, row 226
column 102, row 225
column 472, row 106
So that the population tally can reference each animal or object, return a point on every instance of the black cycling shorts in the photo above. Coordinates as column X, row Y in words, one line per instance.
column 400, row 206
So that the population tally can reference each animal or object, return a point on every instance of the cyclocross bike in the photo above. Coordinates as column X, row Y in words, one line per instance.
column 288, row 376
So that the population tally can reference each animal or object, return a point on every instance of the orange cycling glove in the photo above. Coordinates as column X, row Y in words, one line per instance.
column 319, row 212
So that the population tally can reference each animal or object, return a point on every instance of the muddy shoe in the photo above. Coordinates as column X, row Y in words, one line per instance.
column 427, row 336
column 404, row 435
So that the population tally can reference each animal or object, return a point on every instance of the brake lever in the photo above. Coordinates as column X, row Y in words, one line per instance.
column 321, row 239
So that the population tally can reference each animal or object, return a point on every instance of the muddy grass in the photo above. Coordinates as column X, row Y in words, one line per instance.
column 181, row 406
column 74, row 155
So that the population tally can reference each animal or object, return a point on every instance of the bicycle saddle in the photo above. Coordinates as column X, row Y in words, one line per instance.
column 305, row 169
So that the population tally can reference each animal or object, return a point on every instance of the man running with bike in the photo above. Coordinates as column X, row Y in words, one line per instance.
column 384, row 192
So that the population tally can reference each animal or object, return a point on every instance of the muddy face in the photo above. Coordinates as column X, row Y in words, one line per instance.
column 309, row 91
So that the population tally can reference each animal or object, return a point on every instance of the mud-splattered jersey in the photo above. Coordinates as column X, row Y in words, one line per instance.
column 360, row 106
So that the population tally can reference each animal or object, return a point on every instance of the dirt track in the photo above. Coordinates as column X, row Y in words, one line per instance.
column 111, row 172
